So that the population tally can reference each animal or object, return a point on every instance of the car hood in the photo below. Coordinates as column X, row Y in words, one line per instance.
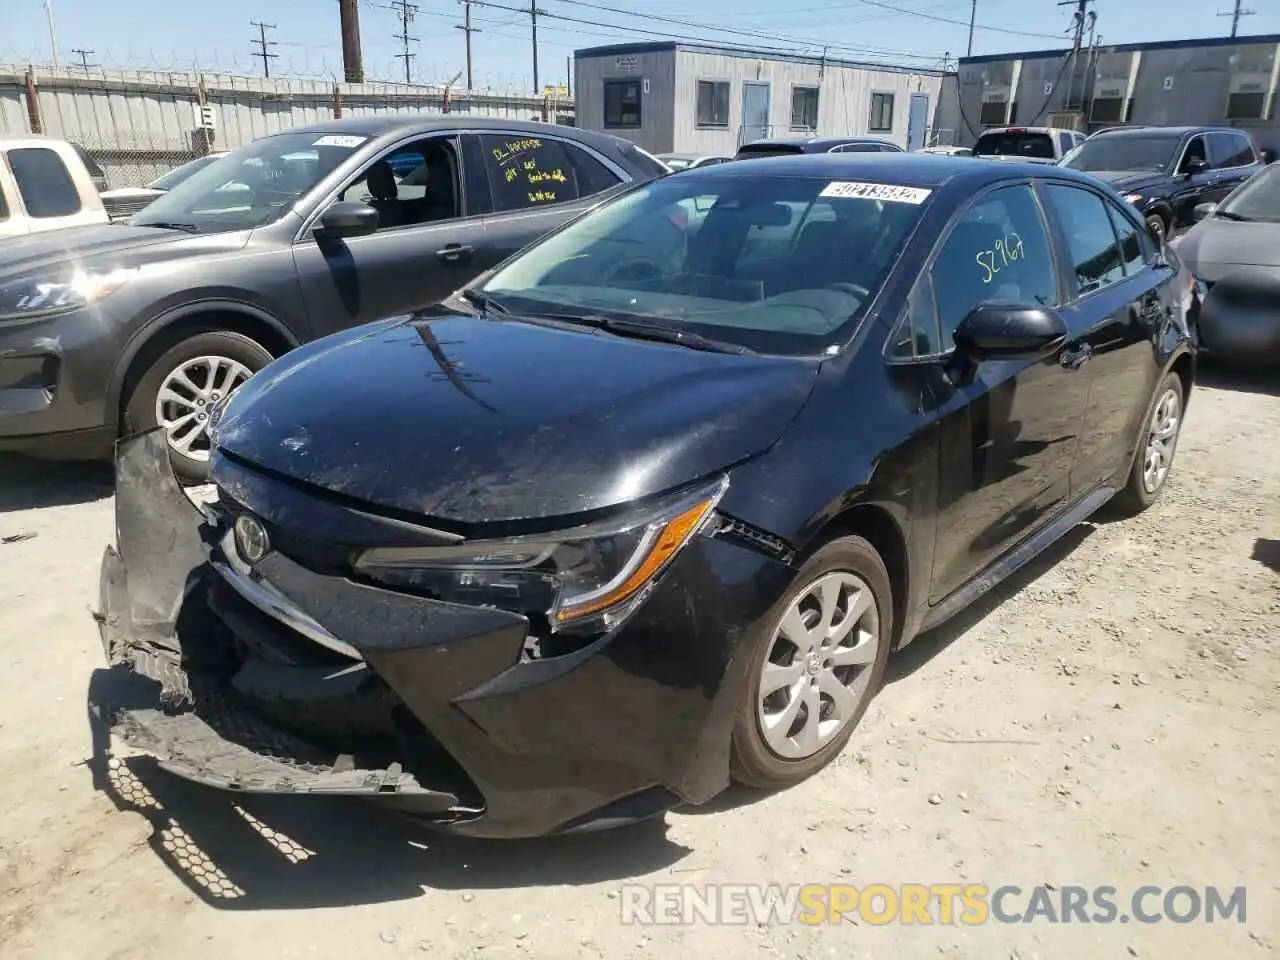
column 107, row 246
column 130, row 193
column 478, row 421
column 1215, row 245
column 1129, row 181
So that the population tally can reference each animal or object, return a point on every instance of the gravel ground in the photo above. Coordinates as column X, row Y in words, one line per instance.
column 1111, row 717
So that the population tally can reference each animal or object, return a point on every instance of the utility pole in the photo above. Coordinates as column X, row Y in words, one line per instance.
column 468, row 29
column 1079, row 19
column 407, row 12
column 352, row 59
column 264, row 46
column 973, row 17
column 84, row 57
column 533, row 21
column 53, row 34
column 1236, row 14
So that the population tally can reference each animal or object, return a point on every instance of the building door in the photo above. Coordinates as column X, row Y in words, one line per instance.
column 918, row 121
column 755, row 112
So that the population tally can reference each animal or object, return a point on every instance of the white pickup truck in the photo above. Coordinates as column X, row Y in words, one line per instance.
column 45, row 184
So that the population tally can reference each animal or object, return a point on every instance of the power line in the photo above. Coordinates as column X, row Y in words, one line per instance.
column 871, row 3
column 264, row 46
column 407, row 12
column 84, row 57
column 686, row 36
column 1236, row 14
column 467, row 29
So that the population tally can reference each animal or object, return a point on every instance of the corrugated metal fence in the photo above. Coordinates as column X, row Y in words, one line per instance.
column 138, row 124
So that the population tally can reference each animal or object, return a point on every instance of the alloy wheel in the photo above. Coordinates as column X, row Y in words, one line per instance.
column 187, row 396
column 1162, row 436
column 815, row 673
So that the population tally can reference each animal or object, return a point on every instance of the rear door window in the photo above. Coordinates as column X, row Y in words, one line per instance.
column 526, row 172
column 1133, row 251
column 1230, row 150
column 1091, row 239
column 1015, row 143
column 44, row 182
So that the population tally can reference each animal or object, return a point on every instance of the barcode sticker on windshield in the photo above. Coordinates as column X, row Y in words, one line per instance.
column 336, row 140
column 875, row 191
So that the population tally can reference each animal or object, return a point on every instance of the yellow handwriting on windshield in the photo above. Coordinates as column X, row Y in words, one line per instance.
column 1006, row 251
column 514, row 148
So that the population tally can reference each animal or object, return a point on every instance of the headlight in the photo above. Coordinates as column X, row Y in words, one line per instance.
column 1134, row 198
column 40, row 296
column 593, row 575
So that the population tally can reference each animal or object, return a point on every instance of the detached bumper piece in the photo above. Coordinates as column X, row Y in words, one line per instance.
column 216, row 741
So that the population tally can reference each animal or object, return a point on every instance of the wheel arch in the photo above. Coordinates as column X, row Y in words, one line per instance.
column 1184, row 365
column 179, row 323
column 877, row 525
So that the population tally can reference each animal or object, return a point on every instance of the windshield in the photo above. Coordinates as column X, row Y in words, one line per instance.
column 175, row 176
column 252, row 186
column 1258, row 198
column 1128, row 152
column 1036, row 145
column 776, row 265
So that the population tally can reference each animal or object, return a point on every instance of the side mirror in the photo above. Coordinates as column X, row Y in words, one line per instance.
column 347, row 218
column 1268, row 155
column 1197, row 166
column 1001, row 330
column 1203, row 211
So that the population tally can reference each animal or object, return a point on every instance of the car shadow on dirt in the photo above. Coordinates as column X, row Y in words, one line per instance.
column 1267, row 553
column 27, row 484
column 1223, row 377
column 278, row 852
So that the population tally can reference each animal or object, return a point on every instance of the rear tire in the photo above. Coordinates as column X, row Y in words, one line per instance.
column 194, row 375
column 1157, row 444
column 829, row 634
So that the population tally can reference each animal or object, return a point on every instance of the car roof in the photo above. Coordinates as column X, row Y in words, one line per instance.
column 813, row 143
column 1017, row 128
column 383, row 125
column 928, row 170
column 1134, row 131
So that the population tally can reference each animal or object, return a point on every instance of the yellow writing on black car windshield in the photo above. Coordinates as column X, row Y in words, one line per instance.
column 1005, row 252
column 542, row 196
column 538, row 176
column 514, row 148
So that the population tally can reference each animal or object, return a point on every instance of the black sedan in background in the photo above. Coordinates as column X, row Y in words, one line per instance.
column 1234, row 250
column 111, row 329
column 648, row 507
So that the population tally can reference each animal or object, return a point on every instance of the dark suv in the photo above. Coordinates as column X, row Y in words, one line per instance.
column 1166, row 171
column 125, row 327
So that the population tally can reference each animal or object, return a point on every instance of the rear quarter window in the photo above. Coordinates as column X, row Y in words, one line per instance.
column 44, row 182
column 1038, row 146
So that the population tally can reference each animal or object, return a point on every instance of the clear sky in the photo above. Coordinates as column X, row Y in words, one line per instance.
column 217, row 35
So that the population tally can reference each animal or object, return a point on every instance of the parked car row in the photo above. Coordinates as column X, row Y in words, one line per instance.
column 643, row 509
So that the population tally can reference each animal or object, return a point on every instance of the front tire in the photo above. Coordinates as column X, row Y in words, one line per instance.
column 179, row 388
column 1157, row 444
column 814, row 667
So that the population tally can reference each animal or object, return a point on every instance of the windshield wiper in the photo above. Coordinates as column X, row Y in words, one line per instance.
column 1228, row 215
column 483, row 301
column 170, row 225
column 648, row 329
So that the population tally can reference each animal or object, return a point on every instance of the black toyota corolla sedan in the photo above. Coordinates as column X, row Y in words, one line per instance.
column 645, row 509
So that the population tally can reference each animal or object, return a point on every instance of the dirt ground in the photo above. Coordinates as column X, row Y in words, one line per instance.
column 1111, row 717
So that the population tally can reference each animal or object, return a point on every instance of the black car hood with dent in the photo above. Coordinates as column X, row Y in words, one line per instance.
column 477, row 421
column 1131, row 181
column 107, row 246
column 1215, row 245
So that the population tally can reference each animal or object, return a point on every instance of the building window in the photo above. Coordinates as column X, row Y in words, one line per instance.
column 804, row 108
column 881, row 113
column 713, row 103
column 622, row 104
column 994, row 113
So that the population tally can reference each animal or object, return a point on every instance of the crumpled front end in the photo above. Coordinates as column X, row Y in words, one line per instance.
column 245, row 654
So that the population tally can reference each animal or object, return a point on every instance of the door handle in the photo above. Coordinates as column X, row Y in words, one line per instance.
column 1074, row 359
column 454, row 252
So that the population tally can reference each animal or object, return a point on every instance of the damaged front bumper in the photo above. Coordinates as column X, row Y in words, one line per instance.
column 288, row 677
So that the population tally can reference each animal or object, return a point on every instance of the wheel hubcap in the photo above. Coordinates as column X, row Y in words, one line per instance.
column 1161, row 438
column 187, row 396
column 814, row 676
